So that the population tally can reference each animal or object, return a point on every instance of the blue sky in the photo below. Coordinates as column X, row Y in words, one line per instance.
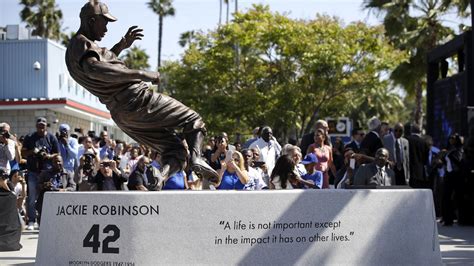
column 190, row 15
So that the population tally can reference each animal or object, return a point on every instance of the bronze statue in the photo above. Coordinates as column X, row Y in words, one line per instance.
column 148, row 117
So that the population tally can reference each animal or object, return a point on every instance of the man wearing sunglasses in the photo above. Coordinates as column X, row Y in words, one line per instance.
column 109, row 178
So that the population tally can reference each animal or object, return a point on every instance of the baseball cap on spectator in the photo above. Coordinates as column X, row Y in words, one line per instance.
column 41, row 120
column 309, row 158
column 95, row 7
column 64, row 127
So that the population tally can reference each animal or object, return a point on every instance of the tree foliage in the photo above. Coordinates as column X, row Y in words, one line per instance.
column 285, row 73
column 415, row 26
column 43, row 16
column 136, row 58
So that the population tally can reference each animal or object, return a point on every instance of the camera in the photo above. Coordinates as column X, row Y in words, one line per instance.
column 5, row 134
column 63, row 134
column 88, row 161
column 40, row 152
column 3, row 174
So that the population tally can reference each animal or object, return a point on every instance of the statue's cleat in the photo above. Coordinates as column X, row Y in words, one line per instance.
column 169, row 170
column 201, row 168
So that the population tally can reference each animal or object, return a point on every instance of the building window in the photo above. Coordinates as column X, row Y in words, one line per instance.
column 69, row 84
column 61, row 80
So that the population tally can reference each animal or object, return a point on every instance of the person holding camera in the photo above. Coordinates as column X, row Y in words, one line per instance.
column 19, row 188
column 10, row 226
column 85, row 173
column 38, row 148
column 86, row 146
column 54, row 179
column 144, row 177
column 109, row 177
column 5, row 183
column 7, row 147
column 68, row 148
column 107, row 146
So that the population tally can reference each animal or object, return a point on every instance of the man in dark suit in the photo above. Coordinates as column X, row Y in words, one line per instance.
column 398, row 149
column 357, row 137
column 372, row 141
column 377, row 173
column 419, row 152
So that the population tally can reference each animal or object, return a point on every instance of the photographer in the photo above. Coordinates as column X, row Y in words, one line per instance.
column 38, row 148
column 107, row 146
column 7, row 147
column 109, row 177
column 68, row 147
column 88, row 167
column 54, row 179
column 10, row 227
column 19, row 188
column 86, row 147
column 5, row 183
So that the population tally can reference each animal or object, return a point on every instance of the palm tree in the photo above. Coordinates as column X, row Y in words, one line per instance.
column 43, row 16
column 66, row 38
column 163, row 8
column 227, row 11
column 416, row 27
column 136, row 58
column 220, row 12
column 186, row 38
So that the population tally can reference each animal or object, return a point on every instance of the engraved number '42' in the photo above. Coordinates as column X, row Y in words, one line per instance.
column 92, row 239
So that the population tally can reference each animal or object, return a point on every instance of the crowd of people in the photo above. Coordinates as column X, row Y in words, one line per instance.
column 385, row 155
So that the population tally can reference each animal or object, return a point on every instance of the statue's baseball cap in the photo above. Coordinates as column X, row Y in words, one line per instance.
column 95, row 7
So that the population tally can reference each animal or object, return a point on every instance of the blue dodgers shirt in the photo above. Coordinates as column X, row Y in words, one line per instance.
column 176, row 181
column 230, row 181
column 317, row 178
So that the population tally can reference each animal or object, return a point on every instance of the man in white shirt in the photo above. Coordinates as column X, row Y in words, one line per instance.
column 268, row 148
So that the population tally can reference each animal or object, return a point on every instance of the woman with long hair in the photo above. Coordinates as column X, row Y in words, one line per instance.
column 232, row 174
column 285, row 175
column 324, row 154
column 219, row 152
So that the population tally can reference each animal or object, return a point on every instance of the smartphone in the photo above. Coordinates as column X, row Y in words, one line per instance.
column 228, row 156
column 258, row 163
column 352, row 163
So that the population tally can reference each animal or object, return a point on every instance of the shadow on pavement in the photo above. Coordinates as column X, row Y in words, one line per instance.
column 457, row 244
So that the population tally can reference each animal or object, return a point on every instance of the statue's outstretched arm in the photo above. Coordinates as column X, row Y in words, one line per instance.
column 134, row 33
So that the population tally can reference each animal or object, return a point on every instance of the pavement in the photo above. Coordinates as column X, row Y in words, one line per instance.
column 456, row 244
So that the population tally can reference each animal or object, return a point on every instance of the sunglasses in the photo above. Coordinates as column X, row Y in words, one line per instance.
column 107, row 164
